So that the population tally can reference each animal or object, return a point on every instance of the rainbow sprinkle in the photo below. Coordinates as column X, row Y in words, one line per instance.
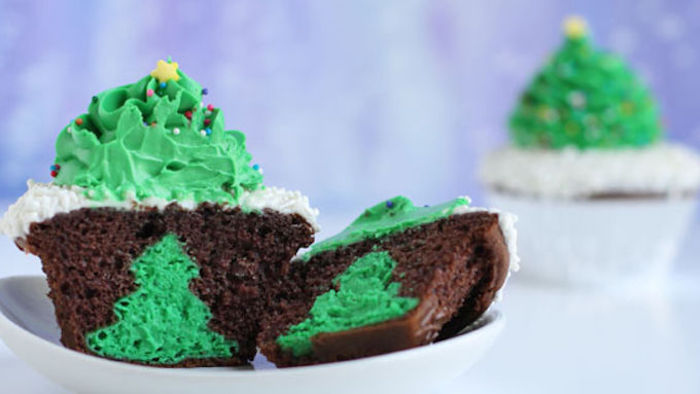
column 54, row 170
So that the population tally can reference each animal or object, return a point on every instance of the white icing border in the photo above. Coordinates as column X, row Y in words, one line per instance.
column 44, row 200
column 569, row 173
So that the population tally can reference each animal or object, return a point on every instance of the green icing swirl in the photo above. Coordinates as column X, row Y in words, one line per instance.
column 388, row 217
column 585, row 98
column 126, row 144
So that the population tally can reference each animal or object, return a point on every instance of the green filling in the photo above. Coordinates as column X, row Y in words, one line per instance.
column 162, row 322
column 137, row 140
column 391, row 216
column 585, row 98
column 365, row 296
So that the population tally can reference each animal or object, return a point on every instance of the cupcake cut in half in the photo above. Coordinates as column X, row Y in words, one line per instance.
column 398, row 277
column 157, row 235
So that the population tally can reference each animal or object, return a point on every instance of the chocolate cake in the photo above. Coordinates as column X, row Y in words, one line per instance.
column 158, row 239
column 398, row 277
column 87, row 278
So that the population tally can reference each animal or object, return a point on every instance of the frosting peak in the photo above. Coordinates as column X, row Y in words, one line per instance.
column 155, row 138
column 584, row 98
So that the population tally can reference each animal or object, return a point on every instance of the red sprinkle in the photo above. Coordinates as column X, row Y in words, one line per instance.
column 210, row 107
column 188, row 114
column 79, row 121
column 207, row 121
column 58, row 166
column 54, row 173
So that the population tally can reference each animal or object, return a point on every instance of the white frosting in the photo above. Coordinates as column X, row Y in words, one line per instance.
column 42, row 201
column 283, row 201
column 570, row 173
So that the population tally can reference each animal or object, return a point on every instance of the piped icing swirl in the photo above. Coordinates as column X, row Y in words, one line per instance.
column 584, row 98
column 155, row 139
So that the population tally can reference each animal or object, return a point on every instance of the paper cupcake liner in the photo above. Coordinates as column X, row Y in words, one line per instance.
column 598, row 242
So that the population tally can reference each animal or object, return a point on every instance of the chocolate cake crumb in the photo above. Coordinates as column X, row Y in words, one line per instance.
column 87, row 253
column 454, row 266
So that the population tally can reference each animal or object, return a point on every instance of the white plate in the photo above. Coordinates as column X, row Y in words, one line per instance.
column 28, row 327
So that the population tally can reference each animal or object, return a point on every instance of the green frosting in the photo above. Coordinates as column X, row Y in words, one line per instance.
column 366, row 295
column 162, row 322
column 391, row 216
column 585, row 98
column 131, row 142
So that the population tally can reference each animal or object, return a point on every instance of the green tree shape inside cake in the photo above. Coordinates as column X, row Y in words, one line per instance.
column 162, row 322
column 364, row 295
column 584, row 98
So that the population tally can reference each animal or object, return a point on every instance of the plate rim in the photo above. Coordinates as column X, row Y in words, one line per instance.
column 491, row 320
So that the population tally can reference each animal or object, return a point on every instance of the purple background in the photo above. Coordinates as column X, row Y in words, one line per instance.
column 350, row 102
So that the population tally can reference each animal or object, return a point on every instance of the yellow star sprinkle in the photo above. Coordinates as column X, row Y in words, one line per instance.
column 165, row 71
column 575, row 27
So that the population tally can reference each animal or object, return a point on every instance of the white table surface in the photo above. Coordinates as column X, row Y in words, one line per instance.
column 555, row 341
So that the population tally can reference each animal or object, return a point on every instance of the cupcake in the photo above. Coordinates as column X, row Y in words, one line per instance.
column 157, row 236
column 397, row 277
column 601, row 195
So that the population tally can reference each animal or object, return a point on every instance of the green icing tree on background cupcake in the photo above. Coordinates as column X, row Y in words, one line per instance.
column 585, row 98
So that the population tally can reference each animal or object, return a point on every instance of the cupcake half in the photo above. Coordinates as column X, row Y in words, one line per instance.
column 600, row 193
column 398, row 277
column 157, row 236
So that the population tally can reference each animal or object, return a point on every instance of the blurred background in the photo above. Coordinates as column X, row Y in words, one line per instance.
column 350, row 102
column 353, row 102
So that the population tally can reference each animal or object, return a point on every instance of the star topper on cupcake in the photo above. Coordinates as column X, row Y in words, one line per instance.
column 575, row 27
column 165, row 71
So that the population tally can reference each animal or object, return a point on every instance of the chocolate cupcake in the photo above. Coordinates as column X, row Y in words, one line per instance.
column 157, row 236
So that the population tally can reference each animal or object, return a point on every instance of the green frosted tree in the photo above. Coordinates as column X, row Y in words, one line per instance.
column 366, row 295
column 162, row 322
column 585, row 98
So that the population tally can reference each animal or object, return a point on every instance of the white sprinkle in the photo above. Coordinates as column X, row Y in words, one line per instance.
column 69, row 130
column 577, row 99
column 176, row 131
column 203, row 133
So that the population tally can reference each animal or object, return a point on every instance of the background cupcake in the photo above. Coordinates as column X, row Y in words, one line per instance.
column 599, row 192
